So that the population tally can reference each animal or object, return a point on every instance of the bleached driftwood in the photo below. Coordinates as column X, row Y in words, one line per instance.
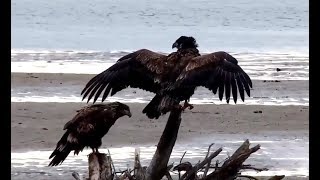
column 229, row 169
column 139, row 171
column 100, row 167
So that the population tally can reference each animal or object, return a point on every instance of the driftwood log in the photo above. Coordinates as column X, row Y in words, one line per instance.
column 101, row 165
column 158, row 165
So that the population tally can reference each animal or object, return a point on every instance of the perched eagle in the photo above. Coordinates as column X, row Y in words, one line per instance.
column 87, row 128
column 173, row 78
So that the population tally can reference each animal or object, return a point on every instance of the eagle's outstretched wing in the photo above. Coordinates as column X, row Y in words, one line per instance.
column 141, row 69
column 215, row 71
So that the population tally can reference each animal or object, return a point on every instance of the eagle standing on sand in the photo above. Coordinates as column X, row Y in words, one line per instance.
column 173, row 78
column 87, row 128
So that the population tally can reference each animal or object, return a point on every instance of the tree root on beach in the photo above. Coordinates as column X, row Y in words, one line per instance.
column 101, row 165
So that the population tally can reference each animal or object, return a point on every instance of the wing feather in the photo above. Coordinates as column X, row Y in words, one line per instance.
column 90, row 85
column 240, row 86
column 227, row 86
column 221, row 86
column 215, row 81
column 106, row 92
column 234, row 88
column 102, row 87
column 217, row 70
column 141, row 69
column 245, row 84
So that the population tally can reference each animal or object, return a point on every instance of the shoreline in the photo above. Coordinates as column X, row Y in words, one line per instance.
column 36, row 127
column 59, row 87
column 39, row 125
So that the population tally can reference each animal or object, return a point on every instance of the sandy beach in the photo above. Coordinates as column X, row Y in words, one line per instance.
column 37, row 126
column 58, row 47
column 40, row 124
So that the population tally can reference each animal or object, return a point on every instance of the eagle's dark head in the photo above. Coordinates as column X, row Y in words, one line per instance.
column 185, row 42
column 121, row 109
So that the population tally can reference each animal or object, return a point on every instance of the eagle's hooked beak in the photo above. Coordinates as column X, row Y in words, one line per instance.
column 175, row 45
column 128, row 113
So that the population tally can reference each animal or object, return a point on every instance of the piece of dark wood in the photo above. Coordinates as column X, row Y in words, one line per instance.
column 158, row 165
column 277, row 177
column 94, row 167
column 139, row 172
column 76, row 176
column 230, row 168
column 100, row 167
column 209, row 163
column 190, row 173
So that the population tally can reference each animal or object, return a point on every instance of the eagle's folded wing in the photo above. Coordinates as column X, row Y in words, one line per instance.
column 83, row 121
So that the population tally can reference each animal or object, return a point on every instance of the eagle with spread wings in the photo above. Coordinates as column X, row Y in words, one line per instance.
column 87, row 128
column 173, row 77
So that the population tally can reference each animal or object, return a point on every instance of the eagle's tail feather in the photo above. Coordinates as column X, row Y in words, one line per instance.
column 160, row 104
column 151, row 110
column 62, row 151
column 167, row 103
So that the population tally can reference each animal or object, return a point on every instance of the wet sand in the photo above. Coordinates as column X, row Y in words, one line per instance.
column 282, row 132
column 57, row 87
column 38, row 126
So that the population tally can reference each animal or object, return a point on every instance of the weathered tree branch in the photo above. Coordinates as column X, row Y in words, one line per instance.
column 114, row 169
column 231, row 167
column 158, row 164
column 76, row 176
column 94, row 167
column 100, row 167
column 181, row 162
column 209, row 163
column 249, row 177
column 188, row 174
column 139, row 172
column 254, row 168
column 277, row 177
column 106, row 168
column 168, row 173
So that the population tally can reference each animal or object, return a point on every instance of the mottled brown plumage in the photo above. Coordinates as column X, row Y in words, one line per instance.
column 214, row 71
column 142, row 69
column 87, row 128
column 173, row 78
